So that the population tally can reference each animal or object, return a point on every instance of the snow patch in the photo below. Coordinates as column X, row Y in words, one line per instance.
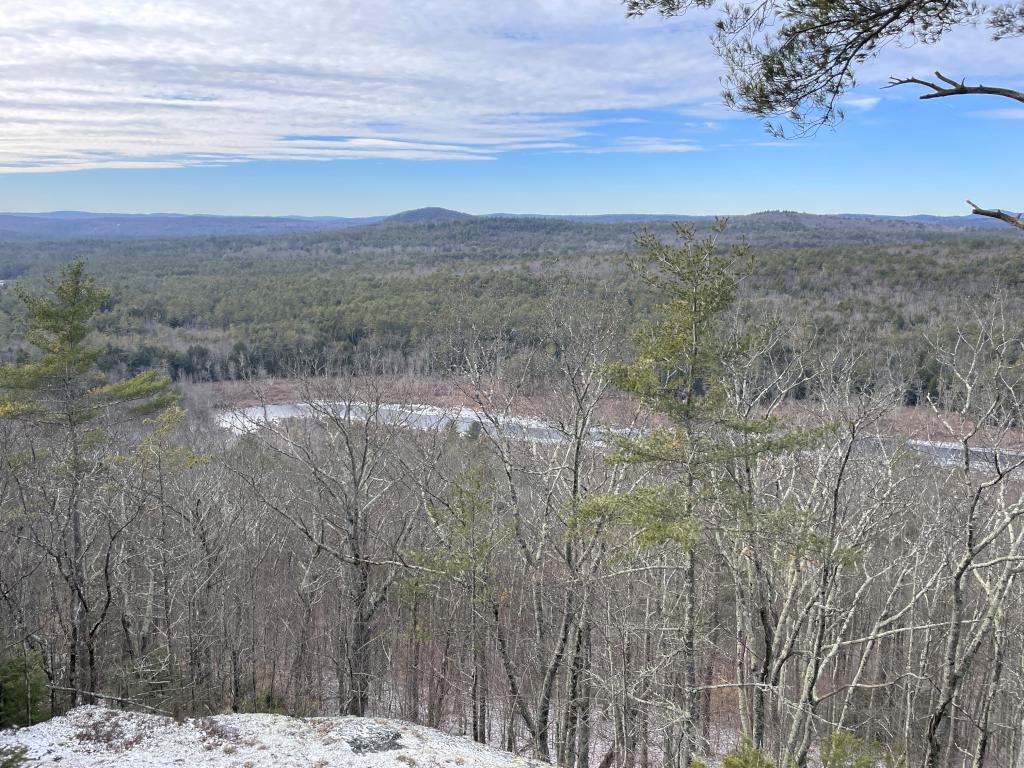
column 97, row 737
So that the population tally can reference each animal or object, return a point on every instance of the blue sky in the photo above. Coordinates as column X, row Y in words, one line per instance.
column 332, row 107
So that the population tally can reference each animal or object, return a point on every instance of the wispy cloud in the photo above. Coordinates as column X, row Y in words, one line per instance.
column 1010, row 113
column 128, row 84
column 641, row 144
column 710, row 110
column 157, row 83
column 861, row 103
column 966, row 52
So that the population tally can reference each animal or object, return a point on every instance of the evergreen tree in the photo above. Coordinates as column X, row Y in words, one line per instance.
column 23, row 695
column 71, row 409
column 681, row 370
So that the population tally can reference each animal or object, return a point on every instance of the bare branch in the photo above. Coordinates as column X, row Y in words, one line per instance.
column 952, row 87
column 994, row 213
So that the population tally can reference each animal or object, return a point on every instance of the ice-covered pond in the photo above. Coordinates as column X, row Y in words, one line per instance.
column 466, row 420
column 952, row 454
column 424, row 417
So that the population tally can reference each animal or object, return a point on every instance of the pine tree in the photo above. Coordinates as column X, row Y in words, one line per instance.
column 70, row 408
column 61, row 386
column 681, row 371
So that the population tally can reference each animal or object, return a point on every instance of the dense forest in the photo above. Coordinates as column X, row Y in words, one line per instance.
column 724, row 549
column 208, row 309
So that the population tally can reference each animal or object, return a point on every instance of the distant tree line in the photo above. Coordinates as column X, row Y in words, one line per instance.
column 212, row 309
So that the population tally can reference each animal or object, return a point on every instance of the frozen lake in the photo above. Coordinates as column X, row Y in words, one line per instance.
column 465, row 420
column 423, row 417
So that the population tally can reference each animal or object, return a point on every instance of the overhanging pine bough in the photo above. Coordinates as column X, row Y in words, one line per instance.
column 791, row 61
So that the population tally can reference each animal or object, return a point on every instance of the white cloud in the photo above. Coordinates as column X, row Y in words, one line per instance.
column 862, row 103
column 1000, row 114
column 713, row 110
column 156, row 83
column 966, row 52
column 123, row 83
column 641, row 144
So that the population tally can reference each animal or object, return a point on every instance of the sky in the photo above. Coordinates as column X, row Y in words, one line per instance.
column 345, row 108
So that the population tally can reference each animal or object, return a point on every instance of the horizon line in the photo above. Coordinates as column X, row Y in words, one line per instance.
column 492, row 214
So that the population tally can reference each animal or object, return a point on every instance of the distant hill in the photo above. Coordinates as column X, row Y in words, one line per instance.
column 947, row 222
column 78, row 225
column 605, row 218
column 421, row 215
column 311, row 295
column 969, row 221
column 82, row 225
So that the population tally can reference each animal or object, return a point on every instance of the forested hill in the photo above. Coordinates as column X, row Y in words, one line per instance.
column 201, row 305
column 75, row 225
column 72, row 225
column 425, row 237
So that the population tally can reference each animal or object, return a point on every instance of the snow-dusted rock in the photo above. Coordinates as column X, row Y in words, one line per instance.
column 95, row 737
